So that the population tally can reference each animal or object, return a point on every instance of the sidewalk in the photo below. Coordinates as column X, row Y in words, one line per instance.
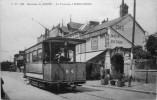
column 135, row 86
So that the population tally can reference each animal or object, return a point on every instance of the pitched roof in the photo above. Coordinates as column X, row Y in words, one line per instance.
column 84, row 27
column 64, row 29
column 75, row 25
column 55, row 31
column 111, row 23
column 107, row 24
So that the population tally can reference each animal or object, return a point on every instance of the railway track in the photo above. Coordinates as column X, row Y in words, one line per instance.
column 98, row 97
column 64, row 93
column 75, row 93
column 104, row 98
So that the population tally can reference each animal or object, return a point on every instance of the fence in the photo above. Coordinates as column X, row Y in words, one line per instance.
column 145, row 70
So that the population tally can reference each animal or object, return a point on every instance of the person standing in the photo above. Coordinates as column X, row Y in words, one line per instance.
column 2, row 91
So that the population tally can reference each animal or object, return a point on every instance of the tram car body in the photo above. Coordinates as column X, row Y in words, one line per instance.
column 43, row 66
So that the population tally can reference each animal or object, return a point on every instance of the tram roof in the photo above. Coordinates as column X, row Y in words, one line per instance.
column 61, row 39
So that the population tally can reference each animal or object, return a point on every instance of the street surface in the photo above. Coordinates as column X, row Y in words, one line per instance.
column 17, row 88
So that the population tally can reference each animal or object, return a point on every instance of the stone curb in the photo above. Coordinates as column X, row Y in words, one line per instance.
column 126, row 89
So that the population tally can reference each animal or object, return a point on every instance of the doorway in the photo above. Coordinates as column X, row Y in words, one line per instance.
column 117, row 64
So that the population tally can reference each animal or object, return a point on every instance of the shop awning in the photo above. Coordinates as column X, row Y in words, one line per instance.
column 88, row 56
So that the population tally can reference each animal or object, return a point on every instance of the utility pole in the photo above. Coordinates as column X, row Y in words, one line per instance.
column 132, row 47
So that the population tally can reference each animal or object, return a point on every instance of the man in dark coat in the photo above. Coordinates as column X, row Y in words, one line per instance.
column 2, row 91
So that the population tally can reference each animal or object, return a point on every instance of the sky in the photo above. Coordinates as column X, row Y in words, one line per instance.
column 18, row 31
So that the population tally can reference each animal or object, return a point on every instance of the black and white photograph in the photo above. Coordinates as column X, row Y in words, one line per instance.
column 78, row 49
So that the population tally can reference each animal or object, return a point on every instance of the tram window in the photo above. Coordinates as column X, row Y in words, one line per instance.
column 34, row 56
column 30, row 55
column 71, row 55
column 39, row 54
column 61, row 54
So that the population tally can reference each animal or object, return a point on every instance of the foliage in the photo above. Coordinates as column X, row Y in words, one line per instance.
column 6, row 65
column 139, row 53
column 151, row 45
column 146, row 63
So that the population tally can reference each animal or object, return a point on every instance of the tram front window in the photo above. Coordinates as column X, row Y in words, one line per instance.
column 61, row 55
column 57, row 52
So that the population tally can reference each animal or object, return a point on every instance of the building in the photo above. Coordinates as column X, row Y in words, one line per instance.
column 108, row 43
column 19, row 60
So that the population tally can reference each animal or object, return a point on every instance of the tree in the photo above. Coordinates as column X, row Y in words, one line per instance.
column 5, row 65
column 151, row 45
column 139, row 53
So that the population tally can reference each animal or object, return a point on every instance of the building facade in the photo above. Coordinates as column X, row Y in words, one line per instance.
column 109, row 42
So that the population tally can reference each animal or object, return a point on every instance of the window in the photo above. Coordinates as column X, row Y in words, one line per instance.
column 30, row 57
column 71, row 55
column 77, row 48
column 34, row 56
column 39, row 55
column 94, row 43
column 27, row 57
column 82, row 48
column 107, row 40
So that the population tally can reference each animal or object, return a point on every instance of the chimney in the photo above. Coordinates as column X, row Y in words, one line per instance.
column 123, row 9
column 105, row 20
column 93, row 23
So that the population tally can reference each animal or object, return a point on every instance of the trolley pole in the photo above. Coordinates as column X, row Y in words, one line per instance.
column 132, row 47
column 46, row 29
column 39, row 23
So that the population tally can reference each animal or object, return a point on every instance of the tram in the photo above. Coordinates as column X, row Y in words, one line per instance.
column 53, row 62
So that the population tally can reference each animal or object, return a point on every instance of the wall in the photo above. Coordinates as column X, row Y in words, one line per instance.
column 141, row 75
column 145, row 69
column 107, row 63
column 117, row 40
column 125, row 27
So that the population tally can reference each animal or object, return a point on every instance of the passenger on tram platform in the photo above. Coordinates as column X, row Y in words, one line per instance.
column 46, row 58
column 60, row 57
